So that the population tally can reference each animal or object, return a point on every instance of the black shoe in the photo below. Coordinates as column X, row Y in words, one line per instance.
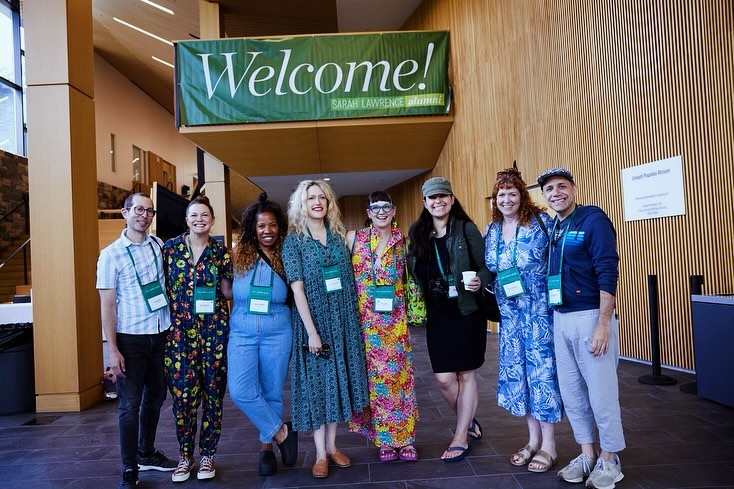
column 268, row 463
column 289, row 446
column 129, row 479
column 156, row 461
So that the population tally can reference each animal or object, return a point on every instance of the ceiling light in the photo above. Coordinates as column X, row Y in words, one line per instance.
column 163, row 62
column 327, row 179
column 159, row 7
column 143, row 31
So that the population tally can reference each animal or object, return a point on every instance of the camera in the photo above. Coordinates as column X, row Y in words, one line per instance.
column 438, row 288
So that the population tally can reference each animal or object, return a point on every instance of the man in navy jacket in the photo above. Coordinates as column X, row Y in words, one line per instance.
column 582, row 286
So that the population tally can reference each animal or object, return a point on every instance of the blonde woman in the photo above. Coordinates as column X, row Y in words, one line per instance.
column 328, row 376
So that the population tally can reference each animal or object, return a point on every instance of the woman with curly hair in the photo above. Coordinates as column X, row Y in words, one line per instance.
column 198, row 284
column 516, row 246
column 328, row 377
column 260, row 333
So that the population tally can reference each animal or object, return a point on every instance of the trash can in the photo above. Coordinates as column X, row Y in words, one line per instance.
column 17, row 381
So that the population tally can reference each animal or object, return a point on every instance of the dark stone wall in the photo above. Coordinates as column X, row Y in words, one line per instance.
column 110, row 197
column 13, row 189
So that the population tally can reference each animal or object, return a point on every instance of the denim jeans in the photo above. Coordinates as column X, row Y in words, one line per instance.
column 258, row 354
column 141, row 394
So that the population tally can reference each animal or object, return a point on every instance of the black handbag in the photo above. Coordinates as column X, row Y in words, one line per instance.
column 486, row 300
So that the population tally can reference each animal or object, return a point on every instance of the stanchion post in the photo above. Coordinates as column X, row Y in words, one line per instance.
column 696, row 283
column 656, row 378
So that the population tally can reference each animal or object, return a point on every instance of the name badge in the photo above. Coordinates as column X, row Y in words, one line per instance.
column 259, row 302
column 332, row 279
column 384, row 296
column 154, row 296
column 511, row 282
column 204, row 300
column 453, row 293
column 555, row 298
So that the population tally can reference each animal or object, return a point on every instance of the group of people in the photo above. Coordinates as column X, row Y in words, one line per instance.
column 332, row 308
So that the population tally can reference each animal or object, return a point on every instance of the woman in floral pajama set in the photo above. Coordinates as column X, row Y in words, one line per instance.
column 198, row 283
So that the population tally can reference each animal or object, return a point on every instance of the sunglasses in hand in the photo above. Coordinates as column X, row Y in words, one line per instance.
column 323, row 353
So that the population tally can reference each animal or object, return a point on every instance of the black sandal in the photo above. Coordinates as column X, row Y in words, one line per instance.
column 474, row 429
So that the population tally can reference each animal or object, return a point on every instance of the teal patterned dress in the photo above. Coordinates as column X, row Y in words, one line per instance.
column 527, row 380
column 331, row 389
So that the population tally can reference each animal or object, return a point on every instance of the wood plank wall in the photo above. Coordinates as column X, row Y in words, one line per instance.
column 598, row 87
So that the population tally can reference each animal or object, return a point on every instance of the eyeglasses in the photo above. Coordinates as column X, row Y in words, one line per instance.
column 374, row 208
column 139, row 210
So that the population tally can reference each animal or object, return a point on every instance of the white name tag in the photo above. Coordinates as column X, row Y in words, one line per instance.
column 204, row 306
column 333, row 284
column 157, row 302
column 259, row 306
column 513, row 288
column 453, row 292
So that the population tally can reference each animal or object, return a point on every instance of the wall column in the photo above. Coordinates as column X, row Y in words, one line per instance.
column 62, row 178
column 216, row 172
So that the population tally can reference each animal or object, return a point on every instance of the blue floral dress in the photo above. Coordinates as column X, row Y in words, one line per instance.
column 527, row 379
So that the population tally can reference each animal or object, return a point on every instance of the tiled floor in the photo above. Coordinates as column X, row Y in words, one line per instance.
column 675, row 440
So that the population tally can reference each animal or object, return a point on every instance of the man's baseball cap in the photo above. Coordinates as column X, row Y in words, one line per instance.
column 555, row 172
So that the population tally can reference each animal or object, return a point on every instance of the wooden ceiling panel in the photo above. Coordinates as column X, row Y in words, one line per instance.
column 297, row 148
column 260, row 149
column 278, row 18
column 389, row 143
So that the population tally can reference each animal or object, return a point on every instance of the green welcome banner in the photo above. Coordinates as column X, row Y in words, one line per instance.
column 232, row 81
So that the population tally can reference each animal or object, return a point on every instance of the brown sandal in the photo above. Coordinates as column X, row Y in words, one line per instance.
column 523, row 456
column 543, row 460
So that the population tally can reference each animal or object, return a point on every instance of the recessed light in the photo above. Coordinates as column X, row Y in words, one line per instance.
column 163, row 62
column 142, row 31
column 159, row 7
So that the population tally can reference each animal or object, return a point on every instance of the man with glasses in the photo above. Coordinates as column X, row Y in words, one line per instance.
column 135, row 320
column 582, row 287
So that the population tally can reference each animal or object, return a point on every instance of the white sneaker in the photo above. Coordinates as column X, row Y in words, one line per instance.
column 577, row 469
column 182, row 472
column 605, row 474
column 206, row 468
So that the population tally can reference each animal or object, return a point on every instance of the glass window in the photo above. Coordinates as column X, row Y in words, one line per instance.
column 138, row 166
column 7, row 38
column 10, row 120
column 113, row 155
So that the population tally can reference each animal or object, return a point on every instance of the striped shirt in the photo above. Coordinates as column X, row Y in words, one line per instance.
column 115, row 271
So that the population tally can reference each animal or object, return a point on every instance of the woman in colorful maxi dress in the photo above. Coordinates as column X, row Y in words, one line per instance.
column 527, row 380
column 328, row 383
column 198, row 283
column 378, row 260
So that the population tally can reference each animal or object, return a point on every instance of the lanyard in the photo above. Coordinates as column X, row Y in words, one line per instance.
column 563, row 245
column 254, row 272
column 373, row 258
column 438, row 259
column 318, row 248
column 514, row 251
column 155, row 260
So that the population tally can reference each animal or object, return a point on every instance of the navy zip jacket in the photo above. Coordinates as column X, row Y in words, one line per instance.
column 590, row 260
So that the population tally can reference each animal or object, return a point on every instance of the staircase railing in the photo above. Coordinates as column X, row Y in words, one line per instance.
column 27, row 224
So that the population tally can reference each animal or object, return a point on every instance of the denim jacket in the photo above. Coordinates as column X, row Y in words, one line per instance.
column 458, row 248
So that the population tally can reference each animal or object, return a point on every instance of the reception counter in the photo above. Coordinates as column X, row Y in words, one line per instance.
column 713, row 337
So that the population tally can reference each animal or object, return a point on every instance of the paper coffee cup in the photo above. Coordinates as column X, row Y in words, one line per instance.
column 468, row 275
